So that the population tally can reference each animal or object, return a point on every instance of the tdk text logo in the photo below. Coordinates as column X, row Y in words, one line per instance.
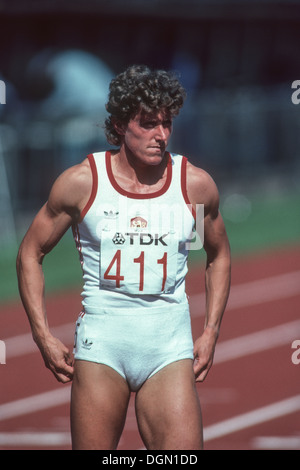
column 2, row 92
column 147, row 238
column 140, row 238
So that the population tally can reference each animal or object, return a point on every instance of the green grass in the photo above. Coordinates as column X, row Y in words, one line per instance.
column 272, row 223
column 61, row 269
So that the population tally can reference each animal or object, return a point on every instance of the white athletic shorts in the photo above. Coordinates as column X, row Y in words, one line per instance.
column 136, row 343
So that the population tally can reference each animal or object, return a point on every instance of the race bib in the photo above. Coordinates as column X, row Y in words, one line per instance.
column 138, row 262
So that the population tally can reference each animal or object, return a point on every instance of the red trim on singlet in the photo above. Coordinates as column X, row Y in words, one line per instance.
column 76, row 235
column 184, row 186
column 94, row 186
column 122, row 191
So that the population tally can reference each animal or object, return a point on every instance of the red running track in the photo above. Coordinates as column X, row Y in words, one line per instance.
column 250, row 399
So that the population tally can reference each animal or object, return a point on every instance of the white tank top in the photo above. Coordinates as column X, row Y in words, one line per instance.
column 133, row 247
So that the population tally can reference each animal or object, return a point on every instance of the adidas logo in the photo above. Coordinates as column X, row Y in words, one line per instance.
column 87, row 344
column 111, row 214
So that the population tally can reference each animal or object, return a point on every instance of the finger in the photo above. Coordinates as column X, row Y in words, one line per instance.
column 201, row 377
column 63, row 372
column 64, row 376
column 198, row 366
column 201, row 369
column 68, row 371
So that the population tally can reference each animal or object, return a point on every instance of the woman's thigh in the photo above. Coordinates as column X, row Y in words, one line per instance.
column 168, row 409
column 99, row 405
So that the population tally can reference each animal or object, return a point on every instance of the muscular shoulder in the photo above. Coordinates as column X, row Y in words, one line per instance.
column 201, row 188
column 71, row 190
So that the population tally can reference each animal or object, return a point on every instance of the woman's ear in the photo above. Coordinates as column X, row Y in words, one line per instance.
column 119, row 127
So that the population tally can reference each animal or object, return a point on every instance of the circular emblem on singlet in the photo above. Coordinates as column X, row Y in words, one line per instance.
column 118, row 239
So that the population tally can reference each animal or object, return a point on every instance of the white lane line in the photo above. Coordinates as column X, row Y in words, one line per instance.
column 225, row 351
column 252, row 418
column 241, row 295
column 254, row 292
column 256, row 342
column 276, row 443
column 23, row 344
column 34, row 403
column 215, row 431
column 35, row 439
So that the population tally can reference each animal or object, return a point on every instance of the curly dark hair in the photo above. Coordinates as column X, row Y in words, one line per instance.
column 138, row 88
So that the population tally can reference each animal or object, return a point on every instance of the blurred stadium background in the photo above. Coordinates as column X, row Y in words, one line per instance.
column 237, row 59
